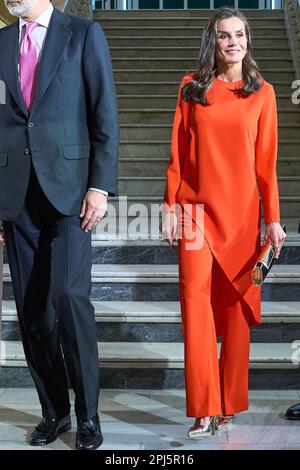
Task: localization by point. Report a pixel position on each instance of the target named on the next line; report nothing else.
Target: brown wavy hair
(202, 80)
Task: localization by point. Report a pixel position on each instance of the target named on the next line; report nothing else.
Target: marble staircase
(135, 278)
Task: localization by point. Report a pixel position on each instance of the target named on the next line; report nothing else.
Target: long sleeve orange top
(218, 153)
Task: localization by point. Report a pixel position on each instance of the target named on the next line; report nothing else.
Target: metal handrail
(292, 21)
(83, 8)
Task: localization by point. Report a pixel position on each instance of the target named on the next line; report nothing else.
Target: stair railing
(292, 21)
(81, 8)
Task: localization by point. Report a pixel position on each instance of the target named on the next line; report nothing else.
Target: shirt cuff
(99, 191)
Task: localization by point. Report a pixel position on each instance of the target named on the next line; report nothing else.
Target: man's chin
(19, 12)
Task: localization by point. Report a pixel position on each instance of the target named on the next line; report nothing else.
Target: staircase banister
(292, 21)
(81, 8)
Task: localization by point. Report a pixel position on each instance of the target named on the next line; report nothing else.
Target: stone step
(169, 102)
(155, 185)
(153, 167)
(156, 251)
(155, 52)
(124, 246)
(166, 116)
(161, 322)
(157, 166)
(166, 332)
(153, 13)
(162, 312)
(163, 131)
(190, 63)
(161, 148)
(160, 282)
(147, 240)
(176, 74)
(120, 251)
(159, 355)
(145, 166)
(171, 88)
(189, 41)
(179, 22)
(114, 242)
(144, 243)
(163, 372)
(182, 31)
(289, 205)
(165, 273)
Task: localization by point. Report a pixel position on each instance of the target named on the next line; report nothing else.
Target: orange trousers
(213, 386)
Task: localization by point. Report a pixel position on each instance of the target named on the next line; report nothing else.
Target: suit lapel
(58, 36)
(9, 59)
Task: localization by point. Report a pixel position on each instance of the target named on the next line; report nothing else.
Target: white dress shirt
(39, 34)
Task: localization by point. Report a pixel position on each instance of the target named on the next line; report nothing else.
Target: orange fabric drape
(212, 388)
(218, 153)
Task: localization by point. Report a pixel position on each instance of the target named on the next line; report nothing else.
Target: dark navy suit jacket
(71, 134)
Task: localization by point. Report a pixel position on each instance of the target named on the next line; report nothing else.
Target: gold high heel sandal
(202, 430)
(224, 422)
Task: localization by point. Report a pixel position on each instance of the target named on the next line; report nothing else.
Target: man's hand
(276, 235)
(94, 206)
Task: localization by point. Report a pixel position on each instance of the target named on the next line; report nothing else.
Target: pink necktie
(28, 64)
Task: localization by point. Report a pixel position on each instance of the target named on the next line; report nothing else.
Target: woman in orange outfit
(224, 137)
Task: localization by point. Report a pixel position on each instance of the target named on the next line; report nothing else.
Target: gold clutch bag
(264, 263)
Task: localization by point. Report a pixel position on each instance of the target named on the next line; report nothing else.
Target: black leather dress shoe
(89, 436)
(48, 430)
(293, 412)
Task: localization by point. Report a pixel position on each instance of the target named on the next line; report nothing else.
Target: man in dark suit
(58, 162)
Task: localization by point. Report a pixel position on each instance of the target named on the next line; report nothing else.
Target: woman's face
(231, 41)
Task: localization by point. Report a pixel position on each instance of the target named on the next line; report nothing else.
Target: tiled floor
(155, 420)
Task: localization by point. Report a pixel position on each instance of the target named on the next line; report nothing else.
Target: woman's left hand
(276, 235)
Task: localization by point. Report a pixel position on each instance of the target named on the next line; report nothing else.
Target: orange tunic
(218, 151)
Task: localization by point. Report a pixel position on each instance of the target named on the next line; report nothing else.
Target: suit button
(27, 151)
(30, 124)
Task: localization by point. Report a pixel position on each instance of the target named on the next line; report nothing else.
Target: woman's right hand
(169, 226)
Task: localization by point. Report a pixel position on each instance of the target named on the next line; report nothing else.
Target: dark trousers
(50, 259)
